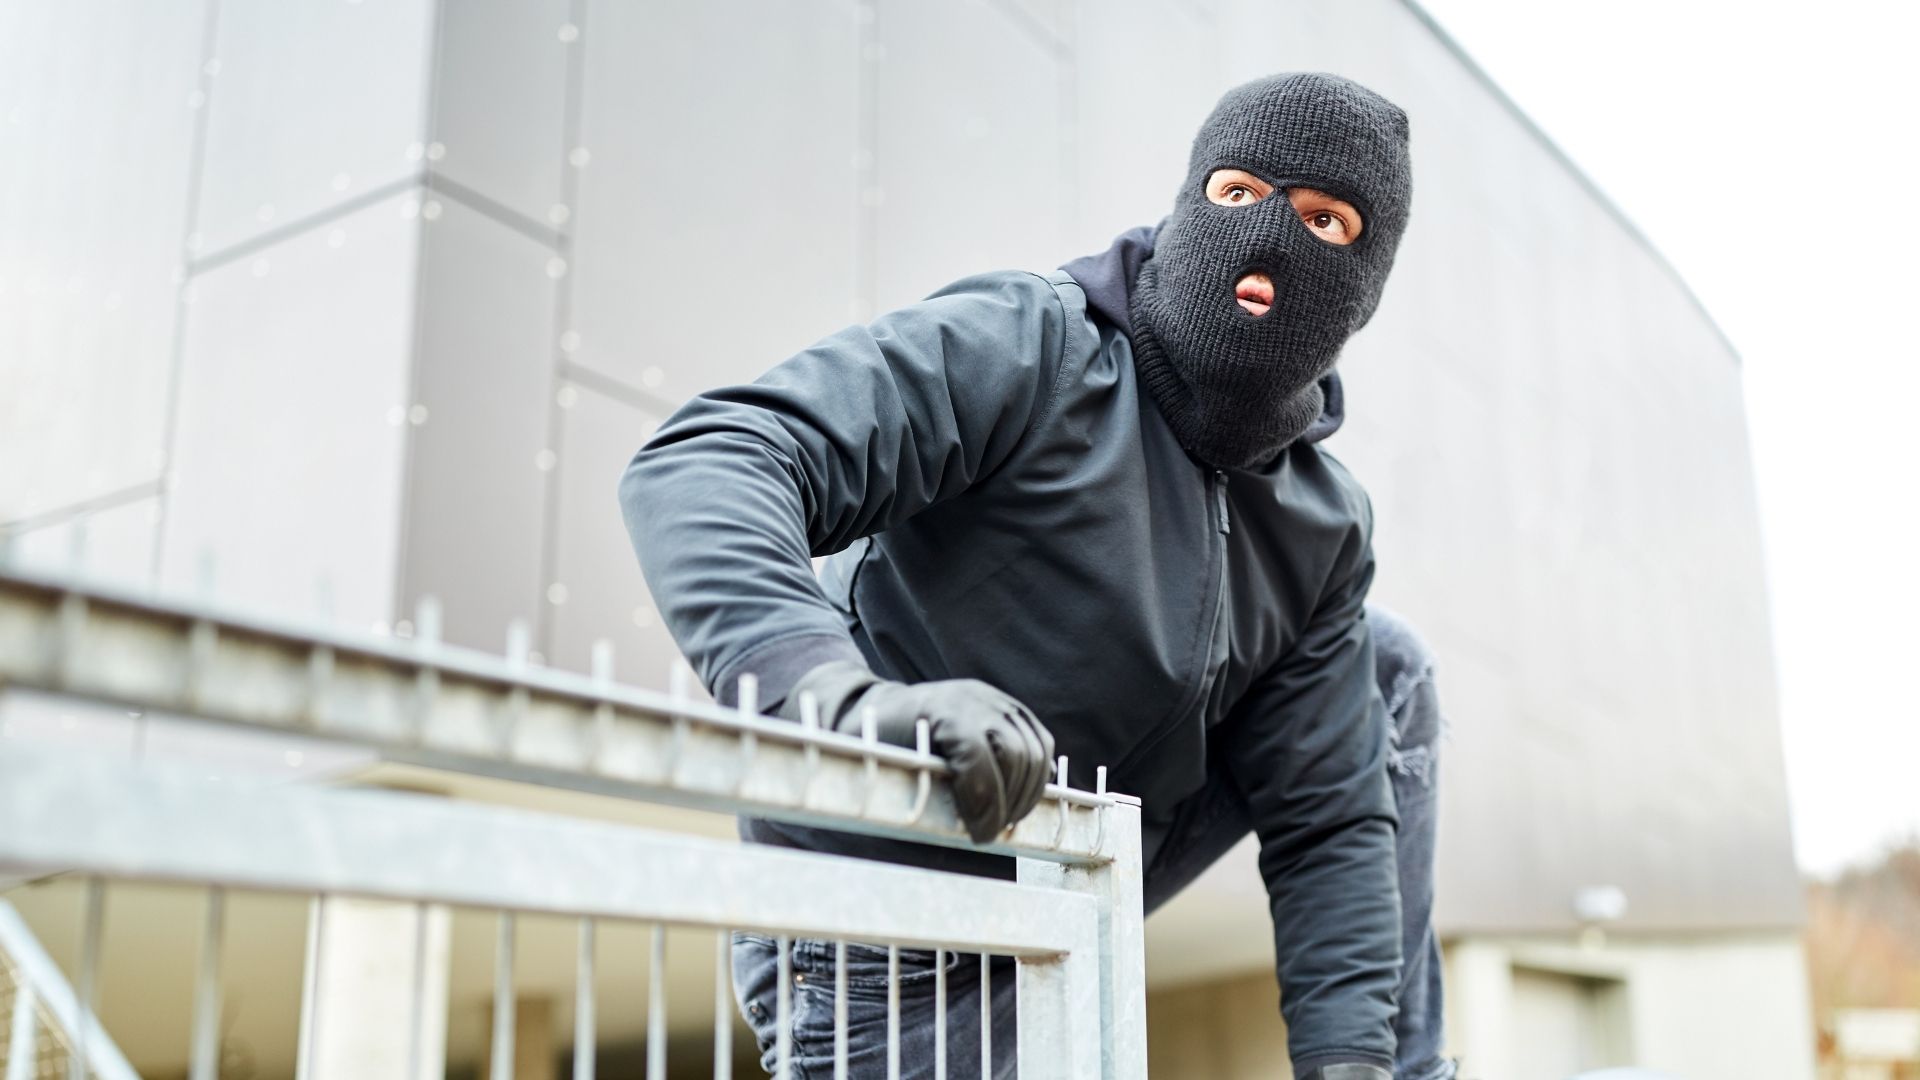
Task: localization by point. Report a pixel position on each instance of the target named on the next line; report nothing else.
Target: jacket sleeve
(1308, 747)
(730, 499)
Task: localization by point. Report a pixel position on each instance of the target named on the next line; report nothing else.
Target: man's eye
(1326, 220)
(1236, 192)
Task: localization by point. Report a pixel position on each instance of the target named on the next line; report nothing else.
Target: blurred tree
(1863, 938)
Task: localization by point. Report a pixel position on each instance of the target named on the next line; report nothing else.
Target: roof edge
(1452, 45)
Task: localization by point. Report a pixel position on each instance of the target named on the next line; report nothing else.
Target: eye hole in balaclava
(1237, 388)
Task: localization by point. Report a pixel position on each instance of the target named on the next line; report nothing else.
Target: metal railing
(1071, 920)
(41, 1023)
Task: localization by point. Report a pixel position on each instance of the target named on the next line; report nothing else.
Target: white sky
(1769, 150)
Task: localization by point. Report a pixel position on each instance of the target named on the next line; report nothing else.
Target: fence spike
(810, 726)
(678, 678)
(923, 742)
(1101, 812)
(869, 738)
(1060, 830)
(600, 735)
(205, 576)
(426, 621)
(748, 689)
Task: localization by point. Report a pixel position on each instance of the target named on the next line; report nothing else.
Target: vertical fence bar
(204, 1059)
(657, 1005)
(583, 1019)
(310, 989)
(783, 1012)
(840, 1010)
(986, 1017)
(503, 1018)
(722, 1005)
(893, 1012)
(417, 1008)
(939, 1014)
(79, 1063)
(23, 1050)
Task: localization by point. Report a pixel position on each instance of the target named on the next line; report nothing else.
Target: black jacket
(1001, 501)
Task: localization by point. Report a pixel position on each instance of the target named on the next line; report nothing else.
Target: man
(1087, 512)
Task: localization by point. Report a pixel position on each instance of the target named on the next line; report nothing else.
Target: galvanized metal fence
(1071, 921)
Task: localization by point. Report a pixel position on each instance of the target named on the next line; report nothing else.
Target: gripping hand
(1000, 753)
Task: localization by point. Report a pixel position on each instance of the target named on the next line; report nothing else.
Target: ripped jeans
(1205, 827)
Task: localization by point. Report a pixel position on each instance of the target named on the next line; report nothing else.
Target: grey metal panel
(95, 136)
(604, 595)
(293, 412)
(1131, 133)
(1552, 435)
(316, 101)
(500, 101)
(477, 477)
(714, 242)
(968, 180)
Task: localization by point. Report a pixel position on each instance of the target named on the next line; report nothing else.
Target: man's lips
(1255, 293)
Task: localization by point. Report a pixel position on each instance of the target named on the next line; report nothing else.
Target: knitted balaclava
(1236, 388)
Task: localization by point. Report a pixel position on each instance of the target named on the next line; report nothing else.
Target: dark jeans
(1205, 826)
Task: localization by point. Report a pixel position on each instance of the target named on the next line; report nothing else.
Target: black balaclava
(1236, 388)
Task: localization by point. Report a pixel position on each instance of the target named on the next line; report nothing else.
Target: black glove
(1001, 756)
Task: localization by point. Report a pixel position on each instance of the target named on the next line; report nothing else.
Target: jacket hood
(1107, 278)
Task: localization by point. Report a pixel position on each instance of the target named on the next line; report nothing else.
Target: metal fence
(41, 1024)
(1071, 920)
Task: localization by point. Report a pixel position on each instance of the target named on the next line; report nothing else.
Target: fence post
(1121, 947)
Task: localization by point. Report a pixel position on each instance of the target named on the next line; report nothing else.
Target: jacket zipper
(1197, 694)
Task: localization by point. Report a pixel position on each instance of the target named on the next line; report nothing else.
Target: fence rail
(424, 702)
(1072, 920)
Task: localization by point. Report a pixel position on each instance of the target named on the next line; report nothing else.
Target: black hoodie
(998, 498)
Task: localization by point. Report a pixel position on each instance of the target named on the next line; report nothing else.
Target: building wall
(1702, 1007)
(327, 306)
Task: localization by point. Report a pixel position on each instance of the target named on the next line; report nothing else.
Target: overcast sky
(1769, 150)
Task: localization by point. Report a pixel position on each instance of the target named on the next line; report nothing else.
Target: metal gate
(1072, 920)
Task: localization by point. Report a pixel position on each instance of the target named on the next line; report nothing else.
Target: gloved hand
(1000, 753)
